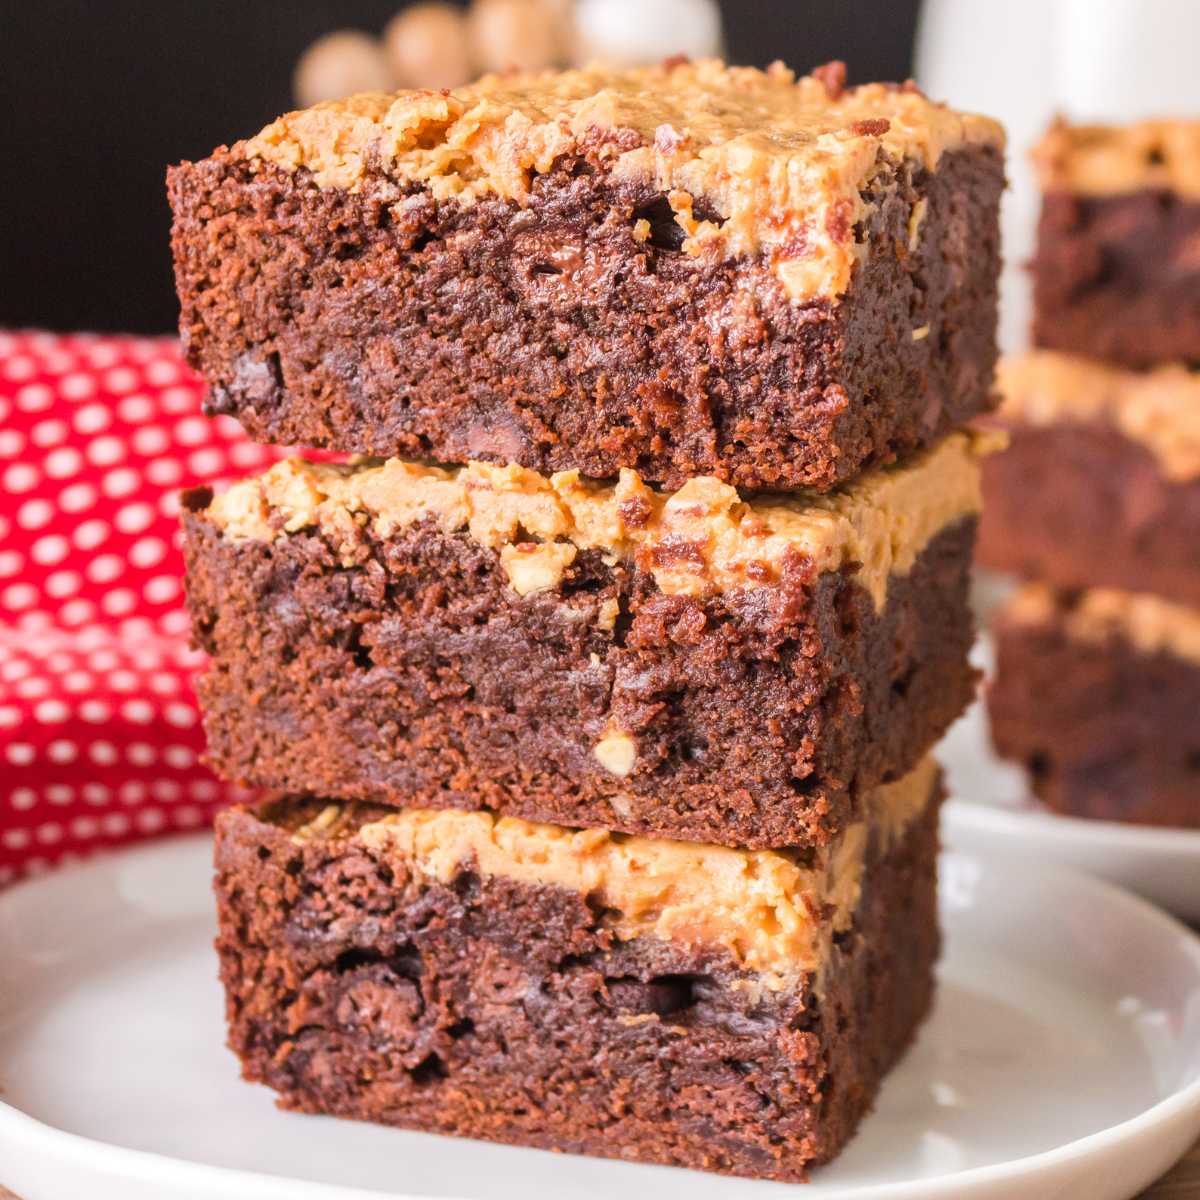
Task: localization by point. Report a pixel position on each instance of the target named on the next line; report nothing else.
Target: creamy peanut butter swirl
(1107, 160)
(1158, 409)
(783, 161)
(774, 911)
(701, 540)
(1149, 623)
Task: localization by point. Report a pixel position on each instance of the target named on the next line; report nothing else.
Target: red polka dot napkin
(99, 731)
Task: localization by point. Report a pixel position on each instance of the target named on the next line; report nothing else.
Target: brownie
(1116, 275)
(684, 270)
(1097, 694)
(691, 664)
(643, 999)
(1100, 485)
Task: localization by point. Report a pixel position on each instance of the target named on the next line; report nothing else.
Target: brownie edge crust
(489, 1007)
(570, 327)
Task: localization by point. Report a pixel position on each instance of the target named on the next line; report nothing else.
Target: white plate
(992, 808)
(1064, 1054)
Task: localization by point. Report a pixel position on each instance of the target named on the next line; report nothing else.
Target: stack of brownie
(596, 696)
(1097, 503)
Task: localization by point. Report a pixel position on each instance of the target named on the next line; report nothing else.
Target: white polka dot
(186, 657)
(202, 789)
(146, 660)
(179, 757)
(9, 716)
(149, 820)
(18, 596)
(164, 472)
(133, 518)
(187, 818)
(92, 639)
(10, 563)
(164, 684)
(60, 793)
(104, 451)
(77, 681)
(34, 397)
(16, 669)
(15, 839)
(179, 400)
(175, 623)
(150, 440)
(76, 612)
(58, 363)
(121, 380)
(104, 754)
(166, 791)
(137, 629)
(64, 461)
(115, 824)
(60, 662)
(182, 716)
(63, 583)
(20, 367)
(23, 799)
(49, 834)
(161, 588)
(20, 477)
(92, 419)
(147, 552)
(121, 482)
(141, 754)
(140, 712)
(34, 622)
(90, 534)
(168, 505)
(76, 387)
(192, 431)
(105, 568)
(247, 454)
(118, 603)
(136, 409)
(161, 372)
(52, 712)
(102, 354)
(77, 497)
(96, 793)
(31, 689)
(12, 442)
(50, 550)
(123, 681)
(85, 827)
(95, 712)
(207, 462)
(35, 514)
(103, 660)
(133, 791)
(48, 433)
(20, 754)
(62, 751)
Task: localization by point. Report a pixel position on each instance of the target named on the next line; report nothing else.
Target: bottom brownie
(605, 994)
(1097, 694)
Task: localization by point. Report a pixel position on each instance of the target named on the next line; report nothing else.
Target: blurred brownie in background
(1117, 269)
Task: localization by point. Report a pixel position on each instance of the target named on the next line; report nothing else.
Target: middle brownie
(692, 664)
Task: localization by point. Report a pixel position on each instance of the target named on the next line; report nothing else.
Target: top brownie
(1117, 269)
(684, 270)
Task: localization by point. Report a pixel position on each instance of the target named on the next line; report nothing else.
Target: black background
(96, 99)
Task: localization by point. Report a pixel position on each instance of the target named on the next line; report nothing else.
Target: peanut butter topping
(782, 160)
(1104, 160)
(700, 541)
(1151, 624)
(1158, 409)
(775, 911)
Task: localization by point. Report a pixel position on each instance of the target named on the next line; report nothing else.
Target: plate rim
(17, 1127)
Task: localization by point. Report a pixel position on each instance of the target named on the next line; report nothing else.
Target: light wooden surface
(1181, 1183)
